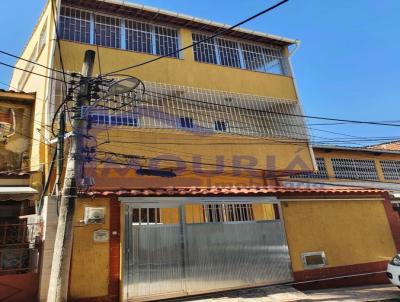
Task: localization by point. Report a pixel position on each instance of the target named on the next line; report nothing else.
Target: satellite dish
(123, 86)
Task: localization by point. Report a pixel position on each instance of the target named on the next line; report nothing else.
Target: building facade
(185, 194)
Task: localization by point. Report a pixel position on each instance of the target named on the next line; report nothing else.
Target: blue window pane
(98, 119)
(186, 122)
(220, 126)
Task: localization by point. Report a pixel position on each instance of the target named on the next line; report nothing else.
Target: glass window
(108, 31)
(321, 173)
(347, 168)
(220, 126)
(166, 41)
(391, 169)
(74, 25)
(138, 36)
(257, 57)
(229, 53)
(186, 122)
(204, 51)
(146, 215)
(254, 58)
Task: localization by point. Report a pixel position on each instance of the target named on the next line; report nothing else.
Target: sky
(346, 67)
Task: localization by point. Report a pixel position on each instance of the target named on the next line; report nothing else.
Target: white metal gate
(189, 248)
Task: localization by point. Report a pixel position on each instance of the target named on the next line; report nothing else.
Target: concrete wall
(349, 231)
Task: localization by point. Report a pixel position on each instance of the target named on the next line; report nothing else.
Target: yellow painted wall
(150, 143)
(90, 261)
(263, 211)
(184, 71)
(169, 215)
(350, 231)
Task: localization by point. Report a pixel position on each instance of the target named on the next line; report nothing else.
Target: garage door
(191, 248)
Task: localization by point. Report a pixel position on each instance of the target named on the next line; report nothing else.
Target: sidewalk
(287, 293)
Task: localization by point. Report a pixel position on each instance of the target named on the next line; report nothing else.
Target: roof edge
(284, 40)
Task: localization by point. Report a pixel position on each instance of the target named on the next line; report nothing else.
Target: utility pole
(59, 277)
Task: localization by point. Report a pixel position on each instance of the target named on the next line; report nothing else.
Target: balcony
(19, 248)
(202, 112)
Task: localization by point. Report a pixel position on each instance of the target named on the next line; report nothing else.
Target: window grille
(205, 51)
(186, 122)
(257, 57)
(138, 36)
(229, 53)
(222, 212)
(167, 41)
(321, 173)
(101, 117)
(205, 111)
(108, 31)
(254, 58)
(74, 25)
(391, 169)
(220, 126)
(347, 168)
(146, 216)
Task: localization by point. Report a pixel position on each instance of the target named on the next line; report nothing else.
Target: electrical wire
(173, 121)
(29, 61)
(126, 156)
(221, 32)
(29, 71)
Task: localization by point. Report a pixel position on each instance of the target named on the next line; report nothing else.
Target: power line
(203, 40)
(29, 61)
(127, 156)
(31, 72)
(173, 121)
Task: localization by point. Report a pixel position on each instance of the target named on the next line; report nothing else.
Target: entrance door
(195, 248)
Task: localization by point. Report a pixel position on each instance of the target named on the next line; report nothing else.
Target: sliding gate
(175, 249)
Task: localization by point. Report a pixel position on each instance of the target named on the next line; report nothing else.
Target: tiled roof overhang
(229, 191)
(125, 8)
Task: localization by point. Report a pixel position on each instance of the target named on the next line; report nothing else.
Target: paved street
(287, 293)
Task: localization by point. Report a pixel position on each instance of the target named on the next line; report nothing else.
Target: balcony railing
(203, 111)
(19, 247)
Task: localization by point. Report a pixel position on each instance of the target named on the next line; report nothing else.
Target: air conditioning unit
(94, 215)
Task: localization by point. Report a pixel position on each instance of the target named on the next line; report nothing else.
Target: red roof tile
(225, 191)
(391, 146)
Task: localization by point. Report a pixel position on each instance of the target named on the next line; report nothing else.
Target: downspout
(297, 46)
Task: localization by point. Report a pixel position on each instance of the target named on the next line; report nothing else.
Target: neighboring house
(375, 166)
(223, 121)
(20, 232)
